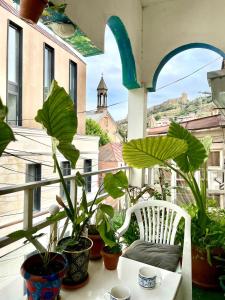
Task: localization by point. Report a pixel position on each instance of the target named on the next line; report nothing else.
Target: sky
(179, 66)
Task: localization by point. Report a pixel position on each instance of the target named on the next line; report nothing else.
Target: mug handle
(159, 281)
(107, 294)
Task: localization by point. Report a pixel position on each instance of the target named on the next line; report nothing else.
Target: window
(14, 82)
(33, 173)
(48, 68)
(214, 159)
(73, 83)
(66, 170)
(88, 168)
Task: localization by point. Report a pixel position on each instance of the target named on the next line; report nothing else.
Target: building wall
(32, 69)
(108, 125)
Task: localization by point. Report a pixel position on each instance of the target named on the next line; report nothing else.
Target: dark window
(14, 69)
(214, 159)
(48, 68)
(88, 168)
(66, 170)
(73, 83)
(33, 173)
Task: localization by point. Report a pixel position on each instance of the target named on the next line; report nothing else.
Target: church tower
(102, 95)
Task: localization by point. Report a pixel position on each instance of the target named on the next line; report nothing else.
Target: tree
(93, 128)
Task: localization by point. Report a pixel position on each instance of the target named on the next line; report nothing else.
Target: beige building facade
(30, 56)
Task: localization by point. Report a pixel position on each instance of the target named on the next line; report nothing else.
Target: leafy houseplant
(44, 271)
(59, 119)
(189, 154)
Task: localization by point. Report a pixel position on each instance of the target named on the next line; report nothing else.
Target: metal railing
(28, 213)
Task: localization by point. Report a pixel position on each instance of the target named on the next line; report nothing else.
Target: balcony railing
(28, 214)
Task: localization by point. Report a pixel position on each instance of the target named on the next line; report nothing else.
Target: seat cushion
(158, 255)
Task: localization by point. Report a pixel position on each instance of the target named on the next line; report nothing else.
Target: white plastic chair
(158, 221)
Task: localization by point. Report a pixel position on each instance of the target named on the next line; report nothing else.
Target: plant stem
(69, 202)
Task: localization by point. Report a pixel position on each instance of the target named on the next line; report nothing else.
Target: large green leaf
(114, 184)
(6, 133)
(59, 119)
(69, 152)
(195, 155)
(147, 152)
(207, 142)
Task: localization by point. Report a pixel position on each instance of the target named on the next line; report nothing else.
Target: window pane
(88, 168)
(73, 83)
(48, 69)
(13, 55)
(12, 109)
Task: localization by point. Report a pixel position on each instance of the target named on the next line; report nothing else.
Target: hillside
(178, 109)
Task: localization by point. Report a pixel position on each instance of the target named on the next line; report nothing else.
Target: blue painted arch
(127, 59)
(176, 51)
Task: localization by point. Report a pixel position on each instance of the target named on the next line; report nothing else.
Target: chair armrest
(125, 225)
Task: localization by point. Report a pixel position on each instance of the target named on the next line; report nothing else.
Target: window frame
(74, 97)
(52, 50)
(9, 83)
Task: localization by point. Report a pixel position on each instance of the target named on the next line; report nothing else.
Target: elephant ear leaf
(195, 155)
(60, 121)
(148, 152)
(6, 133)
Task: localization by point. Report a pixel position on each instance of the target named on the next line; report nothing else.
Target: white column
(137, 117)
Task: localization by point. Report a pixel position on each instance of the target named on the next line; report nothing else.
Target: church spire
(102, 94)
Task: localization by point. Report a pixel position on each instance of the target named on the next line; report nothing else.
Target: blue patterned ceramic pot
(78, 262)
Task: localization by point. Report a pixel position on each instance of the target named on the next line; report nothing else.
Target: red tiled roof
(111, 152)
(196, 124)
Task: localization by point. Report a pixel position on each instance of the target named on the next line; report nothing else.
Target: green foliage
(104, 225)
(60, 121)
(206, 231)
(147, 152)
(6, 135)
(132, 234)
(93, 128)
(115, 184)
(195, 155)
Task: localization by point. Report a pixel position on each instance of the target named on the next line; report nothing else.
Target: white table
(102, 280)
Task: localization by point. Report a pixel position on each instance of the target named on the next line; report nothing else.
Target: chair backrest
(158, 220)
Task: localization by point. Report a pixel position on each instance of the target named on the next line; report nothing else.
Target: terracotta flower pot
(110, 259)
(204, 275)
(98, 245)
(31, 10)
(44, 285)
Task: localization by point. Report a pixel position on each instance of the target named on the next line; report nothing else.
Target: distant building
(213, 126)
(110, 156)
(102, 115)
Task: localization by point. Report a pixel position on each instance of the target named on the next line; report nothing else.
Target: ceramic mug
(118, 292)
(148, 278)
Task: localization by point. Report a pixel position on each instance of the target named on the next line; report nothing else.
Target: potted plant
(31, 10)
(183, 153)
(44, 271)
(60, 121)
(112, 250)
(98, 243)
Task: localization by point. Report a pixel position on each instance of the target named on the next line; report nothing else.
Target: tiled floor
(199, 294)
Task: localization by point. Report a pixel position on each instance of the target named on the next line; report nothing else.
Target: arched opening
(127, 59)
(175, 52)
